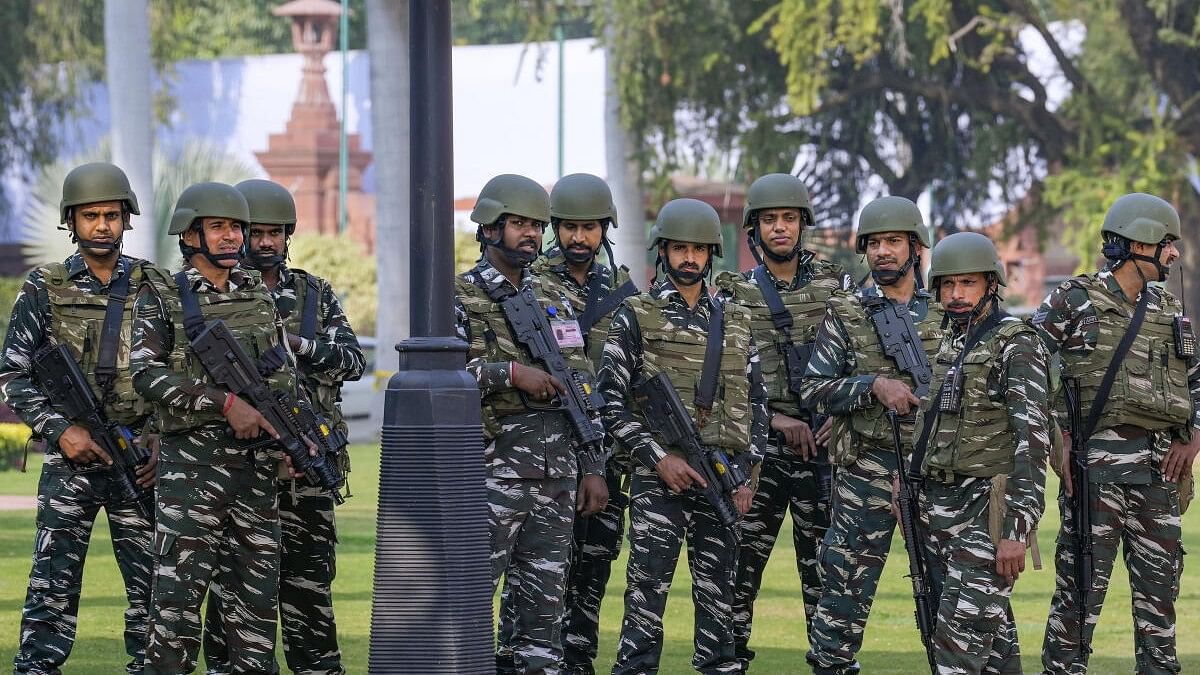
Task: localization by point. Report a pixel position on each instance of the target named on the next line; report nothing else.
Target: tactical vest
(77, 320)
(487, 319)
(249, 312)
(871, 426)
(679, 353)
(807, 307)
(983, 441)
(554, 285)
(324, 392)
(1151, 387)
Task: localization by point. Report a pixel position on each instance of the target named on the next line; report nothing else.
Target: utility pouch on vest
(1185, 339)
(997, 509)
(706, 391)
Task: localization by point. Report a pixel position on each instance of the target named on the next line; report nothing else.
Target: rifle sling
(308, 317)
(706, 391)
(922, 444)
(1139, 315)
(110, 333)
(599, 305)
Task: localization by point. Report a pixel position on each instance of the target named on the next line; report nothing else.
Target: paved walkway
(17, 503)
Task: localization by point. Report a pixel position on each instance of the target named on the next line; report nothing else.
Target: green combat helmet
(1142, 218)
(893, 214)
(270, 203)
(209, 200)
(92, 183)
(514, 195)
(582, 196)
(775, 191)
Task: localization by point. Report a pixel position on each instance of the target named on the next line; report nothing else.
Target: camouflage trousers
(307, 566)
(597, 544)
(1145, 519)
(852, 556)
(975, 630)
(785, 482)
(67, 508)
(659, 521)
(530, 522)
(215, 523)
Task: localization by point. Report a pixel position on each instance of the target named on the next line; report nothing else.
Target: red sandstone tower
(304, 158)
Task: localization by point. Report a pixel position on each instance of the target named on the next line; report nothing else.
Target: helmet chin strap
(215, 258)
(511, 255)
(264, 262)
(1119, 250)
(968, 316)
(891, 277)
(681, 277)
(755, 243)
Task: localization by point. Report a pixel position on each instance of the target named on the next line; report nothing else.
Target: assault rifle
(914, 543)
(665, 412)
(1081, 512)
(900, 341)
(581, 403)
(795, 360)
(228, 364)
(63, 382)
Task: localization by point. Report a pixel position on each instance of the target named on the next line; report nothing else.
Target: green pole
(558, 33)
(343, 150)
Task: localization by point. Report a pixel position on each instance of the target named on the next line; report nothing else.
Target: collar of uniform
(492, 276)
(804, 273)
(285, 276)
(665, 290)
(921, 295)
(558, 264)
(237, 279)
(76, 265)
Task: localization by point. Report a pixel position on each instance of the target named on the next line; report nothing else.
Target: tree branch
(1026, 11)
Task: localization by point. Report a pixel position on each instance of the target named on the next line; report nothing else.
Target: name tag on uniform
(567, 333)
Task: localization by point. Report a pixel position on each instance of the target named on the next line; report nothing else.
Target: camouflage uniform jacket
(624, 358)
(333, 356)
(537, 444)
(552, 269)
(166, 373)
(804, 296)
(839, 378)
(1003, 426)
(30, 327)
(1071, 324)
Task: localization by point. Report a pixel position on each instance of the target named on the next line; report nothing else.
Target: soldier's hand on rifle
(825, 433)
(796, 434)
(1178, 462)
(313, 451)
(677, 474)
(535, 382)
(1010, 559)
(592, 496)
(1065, 467)
(246, 421)
(742, 499)
(77, 445)
(895, 395)
(145, 473)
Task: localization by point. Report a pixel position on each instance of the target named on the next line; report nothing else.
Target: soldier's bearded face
(100, 222)
(523, 234)
(267, 239)
(780, 229)
(687, 256)
(887, 250)
(962, 292)
(580, 239)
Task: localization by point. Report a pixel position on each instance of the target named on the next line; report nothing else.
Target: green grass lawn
(891, 644)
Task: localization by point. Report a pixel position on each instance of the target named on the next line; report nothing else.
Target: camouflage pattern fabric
(856, 545)
(1131, 502)
(659, 520)
(785, 481)
(216, 501)
(306, 513)
(68, 503)
(215, 523)
(1005, 371)
(530, 523)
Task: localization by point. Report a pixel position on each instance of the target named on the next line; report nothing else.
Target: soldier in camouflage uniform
(666, 330)
(328, 354)
(1144, 442)
(217, 508)
(581, 211)
(533, 470)
(65, 303)
(986, 437)
(776, 214)
(850, 378)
